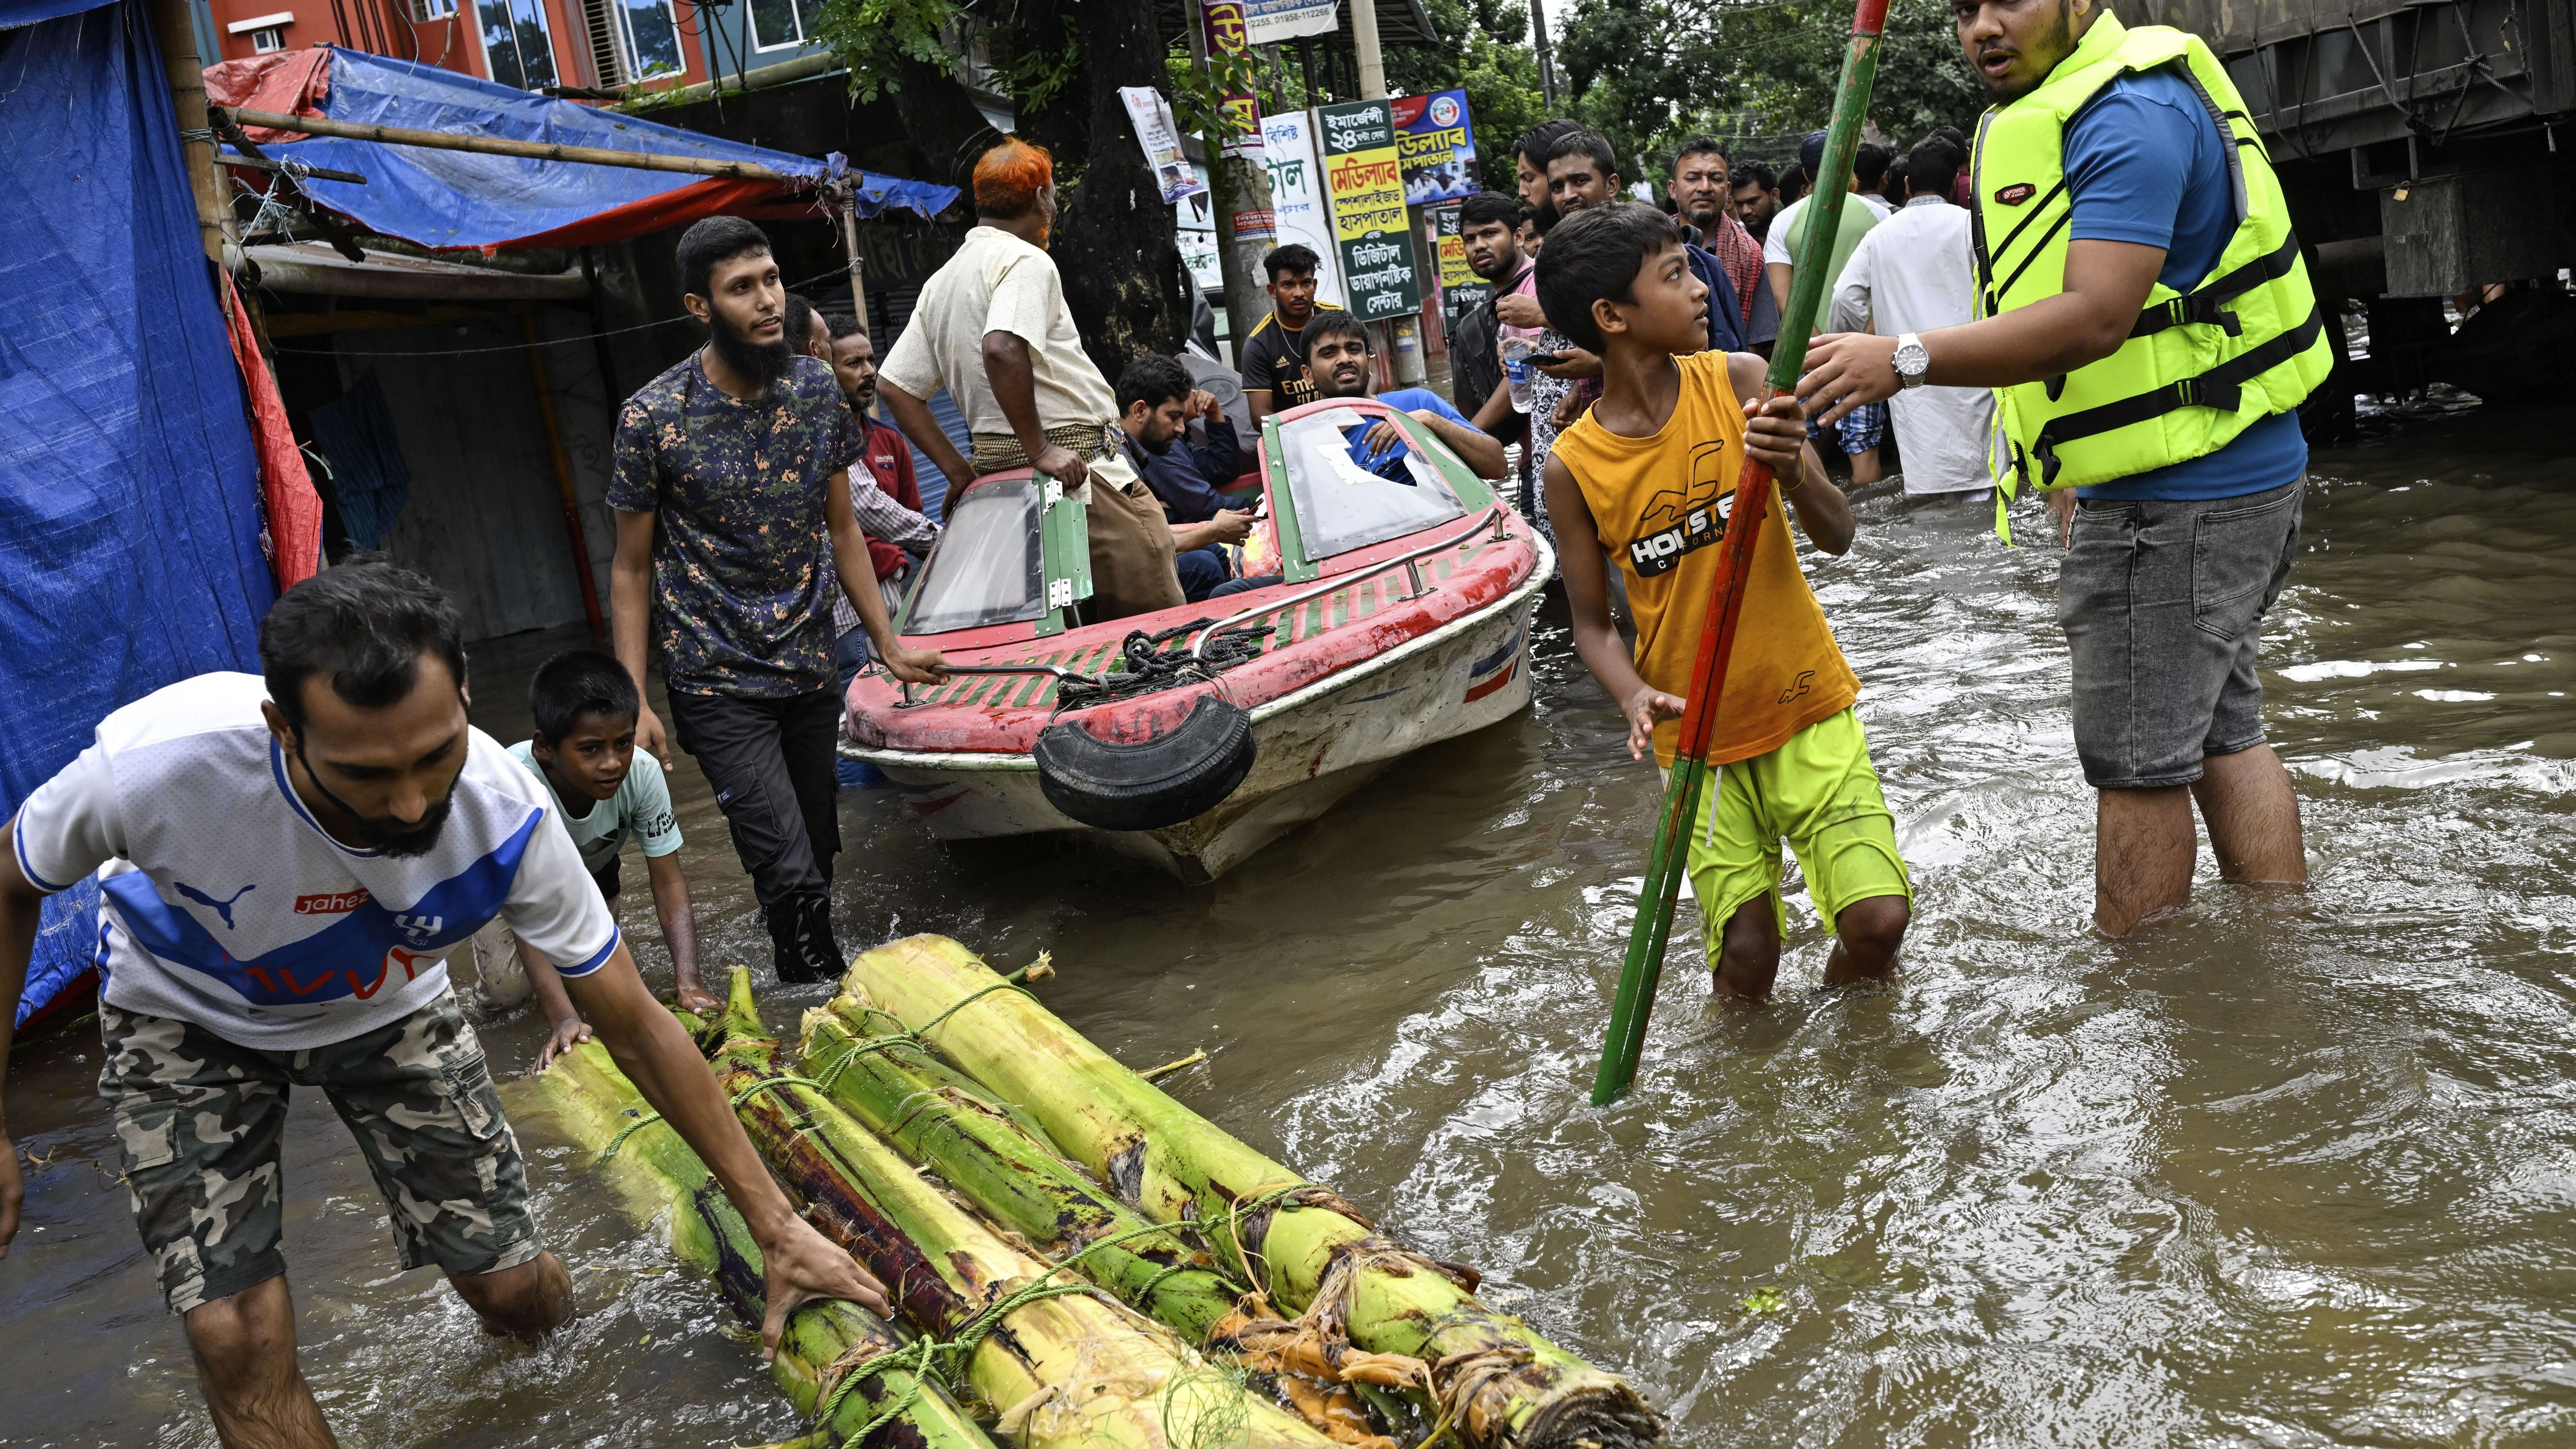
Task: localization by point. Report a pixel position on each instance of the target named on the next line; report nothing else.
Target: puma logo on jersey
(2016, 194)
(223, 908)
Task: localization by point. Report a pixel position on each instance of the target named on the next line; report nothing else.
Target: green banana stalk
(903, 1094)
(1500, 1384)
(596, 1107)
(1067, 1368)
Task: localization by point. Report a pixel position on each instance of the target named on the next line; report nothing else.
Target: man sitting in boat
(1337, 357)
(992, 327)
(1156, 402)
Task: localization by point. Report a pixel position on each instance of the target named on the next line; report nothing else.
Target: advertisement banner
(1221, 24)
(1194, 220)
(1365, 182)
(1461, 290)
(1269, 20)
(1436, 139)
(1297, 198)
(1160, 136)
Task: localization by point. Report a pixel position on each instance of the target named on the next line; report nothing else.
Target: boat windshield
(1341, 505)
(987, 568)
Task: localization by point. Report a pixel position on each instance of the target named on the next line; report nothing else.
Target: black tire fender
(1173, 777)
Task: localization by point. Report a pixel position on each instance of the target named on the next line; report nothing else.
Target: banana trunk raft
(1087, 1264)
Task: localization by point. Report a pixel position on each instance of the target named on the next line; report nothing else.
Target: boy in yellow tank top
(1647, 478)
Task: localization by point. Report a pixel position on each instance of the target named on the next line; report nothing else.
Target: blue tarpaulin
(444, 198)
(129, 520)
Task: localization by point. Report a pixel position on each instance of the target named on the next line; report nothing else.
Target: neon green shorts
(1819, 793)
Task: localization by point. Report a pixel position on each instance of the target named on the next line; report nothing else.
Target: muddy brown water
(2285, 1171)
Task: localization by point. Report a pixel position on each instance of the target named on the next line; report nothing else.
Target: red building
(580, 45)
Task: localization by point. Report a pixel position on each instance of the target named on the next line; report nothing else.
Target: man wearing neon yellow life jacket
(2148, 328)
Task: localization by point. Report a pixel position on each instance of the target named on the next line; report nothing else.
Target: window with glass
(652, 38)
(987, 568)
(428, 10)
(516, 42)
(776, 24)
(1341, 505)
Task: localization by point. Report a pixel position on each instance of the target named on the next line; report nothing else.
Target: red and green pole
(1668, 862)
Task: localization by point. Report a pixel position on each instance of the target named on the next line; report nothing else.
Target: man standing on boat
(735, 529)
(2150, 330)
(284, 862)
(992, 327)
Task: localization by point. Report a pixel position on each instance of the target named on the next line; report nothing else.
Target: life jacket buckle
(2205, 310)
(2202, 392)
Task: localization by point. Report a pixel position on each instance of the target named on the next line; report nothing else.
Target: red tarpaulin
(294, 509)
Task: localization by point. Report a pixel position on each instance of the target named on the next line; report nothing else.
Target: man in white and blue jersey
(284, 864)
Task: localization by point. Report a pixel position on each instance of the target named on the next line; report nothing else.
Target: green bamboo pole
(1500, 1383)
(1065, 1367)
(596, 1107)
(1668, 861)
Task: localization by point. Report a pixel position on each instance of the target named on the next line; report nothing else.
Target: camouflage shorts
(200, 1121)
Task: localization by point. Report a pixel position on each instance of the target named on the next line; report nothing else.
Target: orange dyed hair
(1009, 177)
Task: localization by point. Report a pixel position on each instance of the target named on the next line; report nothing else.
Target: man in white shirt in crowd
(992, 327)
(1913, 273)
(1859, 433)
(284, 864)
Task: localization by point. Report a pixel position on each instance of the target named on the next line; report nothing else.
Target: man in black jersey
(1274, 356)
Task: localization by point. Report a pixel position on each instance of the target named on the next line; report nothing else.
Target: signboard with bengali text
(1297, 205)
(1364, 178)
(1436, 140)
(1461, 290)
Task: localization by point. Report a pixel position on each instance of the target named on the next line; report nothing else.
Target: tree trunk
(1115, 243)
(943, 122)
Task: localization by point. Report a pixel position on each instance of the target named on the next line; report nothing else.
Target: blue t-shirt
(2145, 164)
(1390, 464)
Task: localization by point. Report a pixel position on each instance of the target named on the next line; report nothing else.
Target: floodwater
(2288, 1170)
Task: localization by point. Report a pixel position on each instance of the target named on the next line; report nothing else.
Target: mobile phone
(1545, 359)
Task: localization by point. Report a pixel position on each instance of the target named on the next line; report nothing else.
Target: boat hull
(1312, 748)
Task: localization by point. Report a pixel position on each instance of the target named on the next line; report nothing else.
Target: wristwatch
(1912, 360)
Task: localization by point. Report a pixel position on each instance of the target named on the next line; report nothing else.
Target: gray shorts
(2163, 606)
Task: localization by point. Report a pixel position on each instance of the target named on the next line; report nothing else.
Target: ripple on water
(2286, 1171)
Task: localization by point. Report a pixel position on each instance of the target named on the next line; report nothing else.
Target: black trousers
(775, 774)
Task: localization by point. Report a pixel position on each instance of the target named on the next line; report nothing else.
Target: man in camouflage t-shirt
(735, 530)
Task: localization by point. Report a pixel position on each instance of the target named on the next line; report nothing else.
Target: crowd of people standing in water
(286, 858)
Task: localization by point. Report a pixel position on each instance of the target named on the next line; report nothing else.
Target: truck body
(2425, 150)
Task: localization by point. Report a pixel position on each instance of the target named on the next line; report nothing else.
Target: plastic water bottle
(1515, 353)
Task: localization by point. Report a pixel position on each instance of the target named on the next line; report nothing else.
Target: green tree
(1648, 74)
(1484, 51)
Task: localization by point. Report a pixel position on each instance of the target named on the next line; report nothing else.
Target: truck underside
(2420, 147)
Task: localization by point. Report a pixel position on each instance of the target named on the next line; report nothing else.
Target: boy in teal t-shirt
(585, 706)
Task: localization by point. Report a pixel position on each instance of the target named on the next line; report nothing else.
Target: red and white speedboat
(1403, 619)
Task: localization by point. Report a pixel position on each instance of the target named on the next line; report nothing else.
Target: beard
(390, 837)
(763, 363)
(2060, 42)
(383, 833)
(1545, 216)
